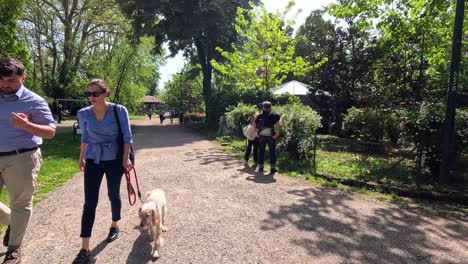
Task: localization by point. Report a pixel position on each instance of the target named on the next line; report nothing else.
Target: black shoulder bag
(120, 141)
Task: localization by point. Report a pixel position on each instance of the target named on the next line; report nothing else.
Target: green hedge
(236, 118)
(372, 124)
(298, 126)
(423, 128)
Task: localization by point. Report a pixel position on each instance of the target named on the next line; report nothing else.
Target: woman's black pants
(93, 175)
(250, 144)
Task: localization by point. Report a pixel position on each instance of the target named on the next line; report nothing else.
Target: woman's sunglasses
(94, 94)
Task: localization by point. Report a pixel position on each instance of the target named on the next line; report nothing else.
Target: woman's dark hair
(10, 66)
(99, 83)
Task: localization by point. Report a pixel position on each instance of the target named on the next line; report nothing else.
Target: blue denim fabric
(254, 144)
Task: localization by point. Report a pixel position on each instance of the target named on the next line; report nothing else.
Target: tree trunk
(68, 42)
(204, 56)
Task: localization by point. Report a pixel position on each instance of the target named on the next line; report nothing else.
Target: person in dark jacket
(268, 126)
(161, 116)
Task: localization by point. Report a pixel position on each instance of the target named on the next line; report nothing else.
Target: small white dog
(152, 215)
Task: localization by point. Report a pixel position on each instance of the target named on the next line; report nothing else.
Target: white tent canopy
(293, 88)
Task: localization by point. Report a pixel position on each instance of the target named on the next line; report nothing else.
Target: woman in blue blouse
(98, 156)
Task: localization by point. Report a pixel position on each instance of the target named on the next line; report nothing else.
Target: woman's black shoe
(113, 234)
(83, 257)
(6, 237)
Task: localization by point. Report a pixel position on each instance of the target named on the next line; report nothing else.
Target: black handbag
(120, 141)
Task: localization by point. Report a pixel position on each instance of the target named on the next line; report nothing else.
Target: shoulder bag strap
(132, 155)
(117, 119)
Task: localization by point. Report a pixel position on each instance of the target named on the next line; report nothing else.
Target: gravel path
(222, 212)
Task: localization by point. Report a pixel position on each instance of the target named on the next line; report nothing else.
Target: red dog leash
(130, 189)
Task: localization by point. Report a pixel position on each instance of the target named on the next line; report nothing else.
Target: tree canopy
(9, 45)
(265, 56)
(193, 26)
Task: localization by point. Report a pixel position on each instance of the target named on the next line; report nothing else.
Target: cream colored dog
(152, 215)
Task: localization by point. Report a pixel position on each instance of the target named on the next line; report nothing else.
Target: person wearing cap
(268, 126)
(25, 119)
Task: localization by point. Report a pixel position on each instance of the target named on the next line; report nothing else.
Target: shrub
(461, 136)
(222, 127)
(366, 124)
(284, 99)
(256, 96)
(194, 117)
(238, 117)
(423, 128)
(220, 101)
(393, 127)
(298, 126)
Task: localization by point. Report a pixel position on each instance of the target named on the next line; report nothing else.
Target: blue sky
(173, 65)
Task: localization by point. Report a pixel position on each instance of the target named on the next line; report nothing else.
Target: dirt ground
(220, 211)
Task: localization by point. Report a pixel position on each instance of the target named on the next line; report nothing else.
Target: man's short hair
(266, 105)
(10, 66)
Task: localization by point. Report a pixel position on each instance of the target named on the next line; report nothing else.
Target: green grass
(60, 164)
(347, 165)
(138, 117)
(338, 164)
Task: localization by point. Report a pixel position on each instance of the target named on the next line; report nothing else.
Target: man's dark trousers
(263, 141)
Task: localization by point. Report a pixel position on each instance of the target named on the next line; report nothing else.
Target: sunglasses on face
(94, 94)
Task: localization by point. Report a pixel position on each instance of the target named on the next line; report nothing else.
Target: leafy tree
(410, 70)
(265, 56)
(60, 33)
(129, 69)
(9, 45)
(194, 26)
(414, 44)
(185, 91)
(345, 79)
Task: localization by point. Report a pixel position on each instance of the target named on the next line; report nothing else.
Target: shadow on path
(141, 249)
(97, 249)
(384, 235)
(257, 177)
(212, 156)
(167, 136)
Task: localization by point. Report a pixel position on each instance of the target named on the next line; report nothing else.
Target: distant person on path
(99, 156)
(181, 117)
(252, 143)
(172, 113)
(60, 114)
(150, 114)
(161, 116)
(25, 118)
(268, 127)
